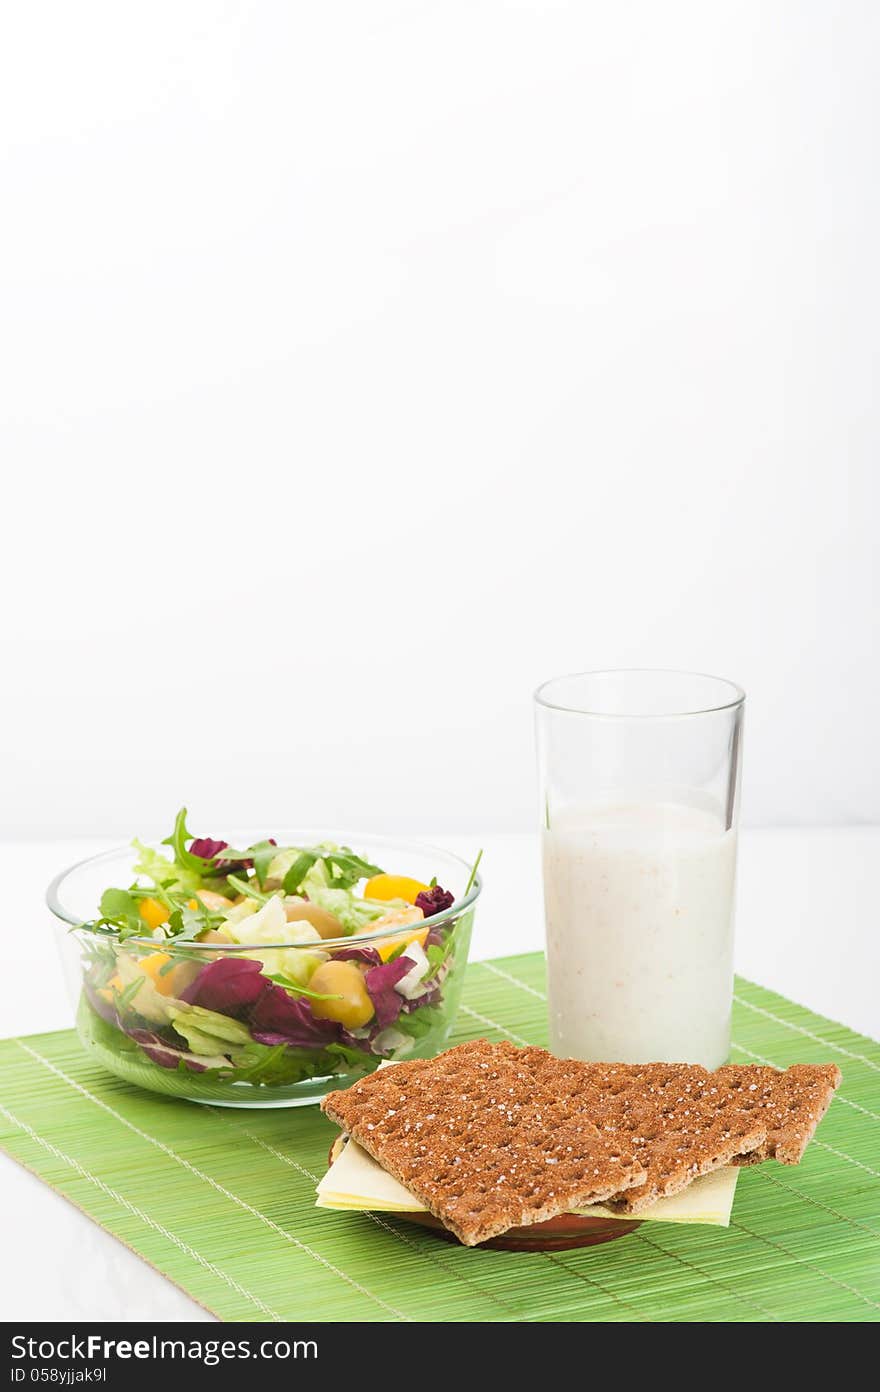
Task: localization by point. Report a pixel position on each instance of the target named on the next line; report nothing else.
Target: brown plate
(557, 1234)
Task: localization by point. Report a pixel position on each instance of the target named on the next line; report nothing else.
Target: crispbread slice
(790, 1104)
(677, 1121)
(484, 1138)
(682, 1121)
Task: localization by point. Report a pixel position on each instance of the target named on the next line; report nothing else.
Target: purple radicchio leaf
(434, 901)
(361, 1042)
(277, 1018)
(358, 954)
(209, 849)
(437, 936)
(102, 1007)
(380, 983)
(230, 985)
(166, 1056)
(206, 847)
(429, 997)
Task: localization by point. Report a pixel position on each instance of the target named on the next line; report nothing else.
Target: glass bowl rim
(542, 694)
(459, 906)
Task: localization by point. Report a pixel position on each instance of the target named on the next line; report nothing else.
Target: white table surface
(807, 926)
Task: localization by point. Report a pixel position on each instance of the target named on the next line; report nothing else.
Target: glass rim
(459, 906)
(542, 696)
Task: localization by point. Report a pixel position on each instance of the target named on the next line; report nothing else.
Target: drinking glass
(639, 780)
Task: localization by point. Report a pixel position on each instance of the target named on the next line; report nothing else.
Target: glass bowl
(137, 1000)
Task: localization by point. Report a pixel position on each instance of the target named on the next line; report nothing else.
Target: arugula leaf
(185, 858)
(120, 912)
(185, 923)
(398, 952)
(118, 903)
(291, 987)
(342, 867)
(473, 875)
(245, 887)
(262, 854)
(299, 869)
(122, 999)
(420, 1022)
(355, 1058)
(345, 868)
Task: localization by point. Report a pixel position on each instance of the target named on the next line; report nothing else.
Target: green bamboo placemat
(221, 1201)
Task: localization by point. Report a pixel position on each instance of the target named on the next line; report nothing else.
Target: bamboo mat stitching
(841, 1155)
(512, 1310)
(493, 1024)
(597, 1285)
(819, 1203)
(514, 981)
(804, 1261)
(227, 1193)
(433, 1257)
(138, 1213)
(808, 1034)
(705, 1275)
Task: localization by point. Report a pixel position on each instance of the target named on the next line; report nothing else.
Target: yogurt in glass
(639, 902)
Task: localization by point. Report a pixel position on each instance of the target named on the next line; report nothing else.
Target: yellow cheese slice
(356, 1181)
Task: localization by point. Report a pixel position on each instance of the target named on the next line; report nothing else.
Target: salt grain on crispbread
(482, 1140)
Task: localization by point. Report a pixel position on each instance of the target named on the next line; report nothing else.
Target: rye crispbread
(790, 1104)
(683, 1121)
(482, 1139)
(455, 1129)
(666, 1115)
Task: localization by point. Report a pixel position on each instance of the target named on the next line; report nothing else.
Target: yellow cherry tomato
(175, 979)
(218, 903)
(214, 935)
(394, 887)
(390, 945)
(398, 918)
(152, 966)
(325, 924)
(342, 979)
(153, 913)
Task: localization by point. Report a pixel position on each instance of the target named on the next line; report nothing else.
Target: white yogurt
(639, 905)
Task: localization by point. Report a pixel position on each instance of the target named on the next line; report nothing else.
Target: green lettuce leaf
(354, 913)
(155, 866)
(206, 1031)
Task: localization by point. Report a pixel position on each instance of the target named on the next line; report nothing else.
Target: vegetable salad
(282, 995)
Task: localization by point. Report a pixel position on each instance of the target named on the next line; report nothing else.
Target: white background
(362, 364)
